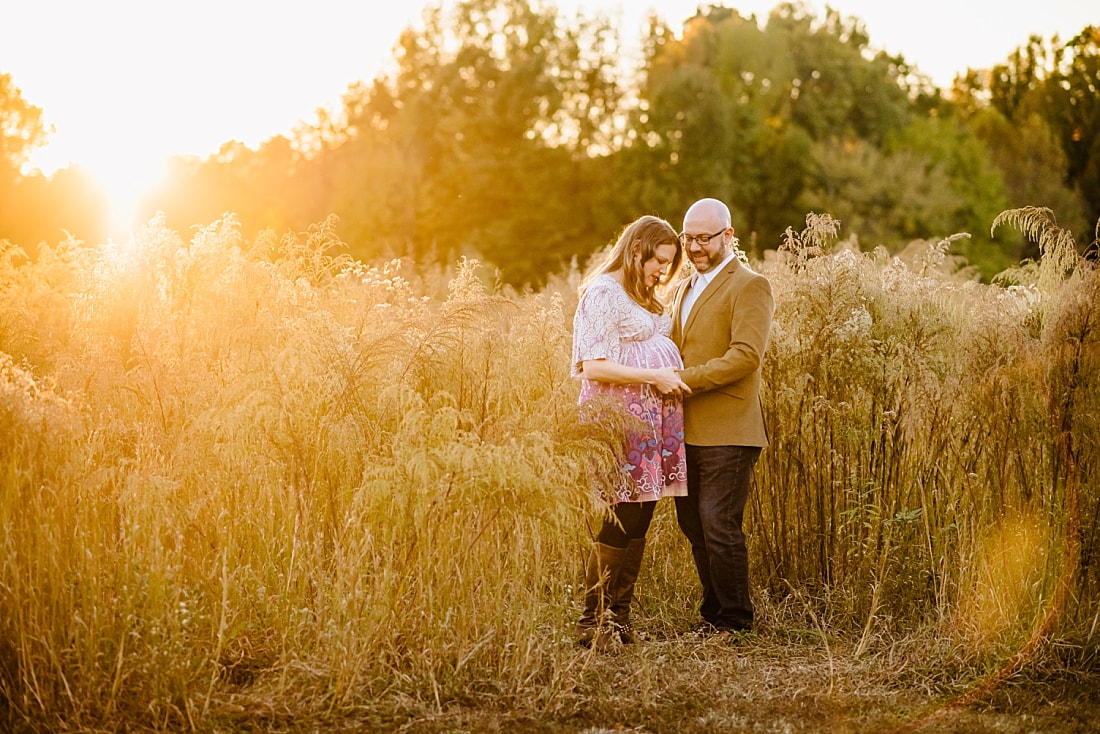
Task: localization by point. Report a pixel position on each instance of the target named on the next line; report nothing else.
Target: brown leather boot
(600, 576)
(622, 593)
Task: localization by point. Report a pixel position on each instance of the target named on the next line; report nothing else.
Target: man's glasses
(702, 239)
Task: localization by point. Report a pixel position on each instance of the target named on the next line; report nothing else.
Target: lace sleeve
(595, 327)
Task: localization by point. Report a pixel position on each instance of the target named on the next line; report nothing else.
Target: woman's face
(656, 267)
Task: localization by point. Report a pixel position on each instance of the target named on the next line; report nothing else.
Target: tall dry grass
(229, 463)
(259, 481)
(934, 454)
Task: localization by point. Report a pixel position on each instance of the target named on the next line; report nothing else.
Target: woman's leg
(631, 522)
(604, 579)
(635, 519)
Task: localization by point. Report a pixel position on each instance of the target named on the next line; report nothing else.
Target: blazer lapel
(708, 294)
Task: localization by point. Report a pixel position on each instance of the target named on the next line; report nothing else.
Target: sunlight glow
(125, 180)
(1003, 593)
(127, 83)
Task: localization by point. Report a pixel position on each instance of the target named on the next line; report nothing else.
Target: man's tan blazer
(723, 345)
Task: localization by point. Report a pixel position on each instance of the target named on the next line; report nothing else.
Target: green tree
(266, 188)
(1034, 169)
(841, 87)
(52, 209)
(1017, 86)
(481, 142)
(691, 154)
(974, 186)
(741, 112)
(883, 198)
(1045, 86)
(484, 133)
(21, 131)
(1074, 90)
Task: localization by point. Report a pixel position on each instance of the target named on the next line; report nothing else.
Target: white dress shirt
(699, 283)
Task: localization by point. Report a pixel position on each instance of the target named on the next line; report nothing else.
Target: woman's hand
(667, 381)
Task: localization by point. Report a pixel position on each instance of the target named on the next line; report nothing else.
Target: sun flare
(125, 180)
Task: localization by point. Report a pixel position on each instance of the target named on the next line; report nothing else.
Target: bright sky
(126, 83)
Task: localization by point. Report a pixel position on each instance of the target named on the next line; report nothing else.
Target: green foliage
(496, 109)
(505, 123)
(767, 118)
(884, 198)
(975, 189)
(842, 88)
(38, 209)
(1033, 167)
(491, 127)
(1058, 83)
(1074, 111)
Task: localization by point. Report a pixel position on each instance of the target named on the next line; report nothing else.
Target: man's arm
(750, 324)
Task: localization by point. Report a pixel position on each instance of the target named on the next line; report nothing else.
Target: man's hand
(667, 381)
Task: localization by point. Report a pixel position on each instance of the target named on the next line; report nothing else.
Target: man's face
(705, 243)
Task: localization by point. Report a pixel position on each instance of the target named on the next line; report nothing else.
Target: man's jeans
(710, 516)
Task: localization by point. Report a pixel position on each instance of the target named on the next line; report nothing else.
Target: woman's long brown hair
(637, 245)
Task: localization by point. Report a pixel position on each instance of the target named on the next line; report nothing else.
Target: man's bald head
(706, 215)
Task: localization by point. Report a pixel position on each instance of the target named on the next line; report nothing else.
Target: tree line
(526, 138)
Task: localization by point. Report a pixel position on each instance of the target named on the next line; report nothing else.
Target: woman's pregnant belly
(653, 353)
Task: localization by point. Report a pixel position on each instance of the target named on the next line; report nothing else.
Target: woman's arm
(666, 379)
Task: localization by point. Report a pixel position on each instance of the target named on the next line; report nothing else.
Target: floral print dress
(610, 325)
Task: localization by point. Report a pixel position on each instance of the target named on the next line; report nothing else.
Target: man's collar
(708, 276)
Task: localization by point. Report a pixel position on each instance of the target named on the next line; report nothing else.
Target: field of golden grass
(255, 485)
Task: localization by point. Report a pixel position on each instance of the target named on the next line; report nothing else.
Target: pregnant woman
(622, 350)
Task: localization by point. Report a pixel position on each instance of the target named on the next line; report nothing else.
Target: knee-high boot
(601, 573)
(623, 590)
